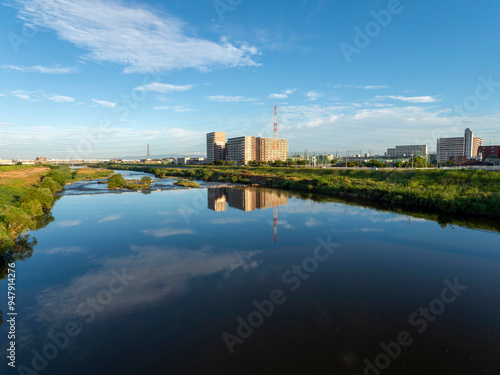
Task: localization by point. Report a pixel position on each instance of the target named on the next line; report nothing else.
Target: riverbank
(27, 195)
(471, 192)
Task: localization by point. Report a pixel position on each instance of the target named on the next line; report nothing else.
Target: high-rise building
(216, 144)
(241, 149)
(450, 148)
(458, 149)
(471, 144)
(271, 149)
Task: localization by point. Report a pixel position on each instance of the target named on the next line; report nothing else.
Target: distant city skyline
(100, 79)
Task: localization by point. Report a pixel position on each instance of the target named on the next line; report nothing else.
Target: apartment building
(241, 149)
(216, 144)
(271, 149)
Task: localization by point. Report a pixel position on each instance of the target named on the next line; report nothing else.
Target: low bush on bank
(116, 182)
(51, 184)
(186, 183)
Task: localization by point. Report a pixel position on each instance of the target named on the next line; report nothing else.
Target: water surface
(159, 283)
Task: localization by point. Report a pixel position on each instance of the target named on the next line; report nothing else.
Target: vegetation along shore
(27, 193)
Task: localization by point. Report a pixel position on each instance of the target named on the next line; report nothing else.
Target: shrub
(116, 181)
(36, 200)
(57, 176)
(49, 183)
(146, 180)
(16, 221)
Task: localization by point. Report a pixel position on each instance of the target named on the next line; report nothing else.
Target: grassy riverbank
(452, 191)
(27, 195)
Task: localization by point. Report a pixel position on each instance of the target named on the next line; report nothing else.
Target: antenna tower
(275, 133)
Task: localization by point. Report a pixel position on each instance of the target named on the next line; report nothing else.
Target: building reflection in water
(247, 199)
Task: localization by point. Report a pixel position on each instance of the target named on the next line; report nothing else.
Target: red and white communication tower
(275, 133)
(276, 122)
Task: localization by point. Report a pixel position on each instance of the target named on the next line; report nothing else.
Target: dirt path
(29, 176)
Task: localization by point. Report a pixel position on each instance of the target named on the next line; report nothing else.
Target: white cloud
(68, 223)
(375, 87)
(25, 95)
(110, 218)
(278, 96)
(140, 39)
(312, 222)
(164, 87)
(154, 273)
(6, 124)
(410, 99)
(55, 69)
(39, 95)
(283, 95)
(3, 95)
(235, 220)
(175, 108)
(283, 224)
(166, 232)
(229, 99)
(104, 103)
(360, 87)
(64, 250)
(61, 99)
(313, 95)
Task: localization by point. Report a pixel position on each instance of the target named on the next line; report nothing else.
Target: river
(251, 281)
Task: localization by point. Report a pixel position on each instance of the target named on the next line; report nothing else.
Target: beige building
(216, 144)
(271, 149)
(241, 149)
(40, 159)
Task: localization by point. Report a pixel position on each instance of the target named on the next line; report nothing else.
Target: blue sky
(95, 78)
